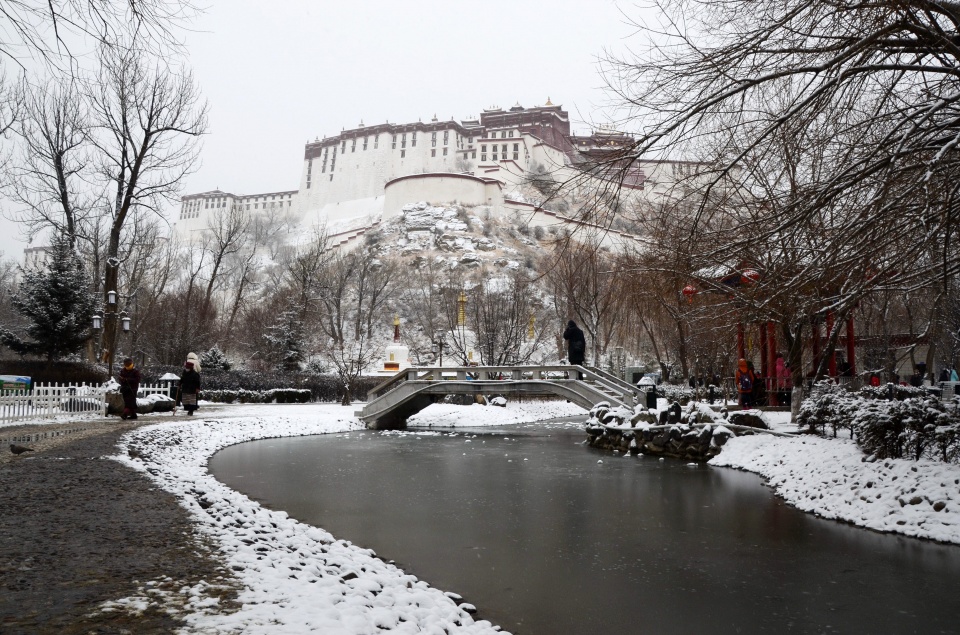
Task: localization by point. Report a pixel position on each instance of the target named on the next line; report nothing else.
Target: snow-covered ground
(829, 478)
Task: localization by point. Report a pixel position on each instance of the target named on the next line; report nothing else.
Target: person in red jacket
(129, 379)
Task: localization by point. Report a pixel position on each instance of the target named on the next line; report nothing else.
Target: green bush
(323, 388)
(278, 395)
(57, 372)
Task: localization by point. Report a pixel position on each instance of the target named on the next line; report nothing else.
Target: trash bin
(173, 384)
(649, 386)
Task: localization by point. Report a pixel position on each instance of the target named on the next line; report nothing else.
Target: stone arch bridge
(411, 390)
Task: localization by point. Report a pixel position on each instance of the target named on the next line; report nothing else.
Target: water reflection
(526, 524)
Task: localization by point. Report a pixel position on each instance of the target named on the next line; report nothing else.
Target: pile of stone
(695, 434)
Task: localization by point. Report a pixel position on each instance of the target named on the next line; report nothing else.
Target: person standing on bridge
(576, 344)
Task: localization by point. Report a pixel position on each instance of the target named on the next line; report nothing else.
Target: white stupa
(396, 355)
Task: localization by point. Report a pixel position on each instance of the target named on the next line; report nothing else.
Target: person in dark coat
(129, 379)
(189, 388)
(576, 344)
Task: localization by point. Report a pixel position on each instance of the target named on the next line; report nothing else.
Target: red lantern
(689, 291)
(750, 276)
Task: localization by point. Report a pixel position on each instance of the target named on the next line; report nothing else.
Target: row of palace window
(192, 209)
(413, 143)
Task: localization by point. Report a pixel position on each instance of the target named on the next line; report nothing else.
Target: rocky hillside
(462, 237)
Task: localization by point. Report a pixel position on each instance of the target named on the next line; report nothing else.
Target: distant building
(36, 257)
(370, 172)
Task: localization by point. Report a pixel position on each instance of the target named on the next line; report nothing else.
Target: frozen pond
(525, 523)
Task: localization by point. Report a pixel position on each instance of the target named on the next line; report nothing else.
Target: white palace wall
(461, 189)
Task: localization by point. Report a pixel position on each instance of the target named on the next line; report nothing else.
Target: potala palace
(352, 181)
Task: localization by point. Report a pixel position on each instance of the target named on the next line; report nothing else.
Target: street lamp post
(108, 322)
(439, 342)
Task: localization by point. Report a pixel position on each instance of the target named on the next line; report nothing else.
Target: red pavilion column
(772, 364)
(851, 346)
(832, 364)
(815, 342)
(741, 348)
(764, 369)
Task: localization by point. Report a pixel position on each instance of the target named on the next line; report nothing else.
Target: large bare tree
(148, 117)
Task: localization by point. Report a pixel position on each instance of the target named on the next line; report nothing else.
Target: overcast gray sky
(277, 74)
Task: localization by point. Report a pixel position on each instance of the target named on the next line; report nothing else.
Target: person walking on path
(744, 380)
(190, 387)
(576, 344)
(129, 379)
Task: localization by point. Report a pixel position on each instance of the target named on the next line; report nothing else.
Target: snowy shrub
(908, 428)
(946, 440)
(895, 390)
(828, 404)
(214, 359)
(682, 394)
(278, 395)
(326, 388)
(913, 424)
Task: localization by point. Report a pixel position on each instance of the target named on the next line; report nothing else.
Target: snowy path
(828, 478)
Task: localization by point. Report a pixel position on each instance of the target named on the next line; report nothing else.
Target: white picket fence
(46, 401)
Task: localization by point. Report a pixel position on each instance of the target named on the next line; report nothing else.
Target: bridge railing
(503, 373)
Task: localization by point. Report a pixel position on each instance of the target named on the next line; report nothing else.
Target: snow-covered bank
(294, 578)
(829, 478)
(449, 415)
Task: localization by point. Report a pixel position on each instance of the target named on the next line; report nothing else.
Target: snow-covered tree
(215, 359)
(56, 301)
(285, 341)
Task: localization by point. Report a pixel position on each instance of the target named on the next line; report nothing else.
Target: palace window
(433, 153)
(364, 143)
(474, 155)
(446, 137)
(403, 141)
(376, 142)
(483, 157)
(394, 142)
(444, 152)
(353, 146)
(483, 148)
(403, 154)
(510, 134)
(343, 146)
(413, 143)
(494, 157)
(433, 136)
(516, 156)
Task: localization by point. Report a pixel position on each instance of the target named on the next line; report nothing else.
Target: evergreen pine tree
(284, 340)
(214, 359)
(56, 300)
